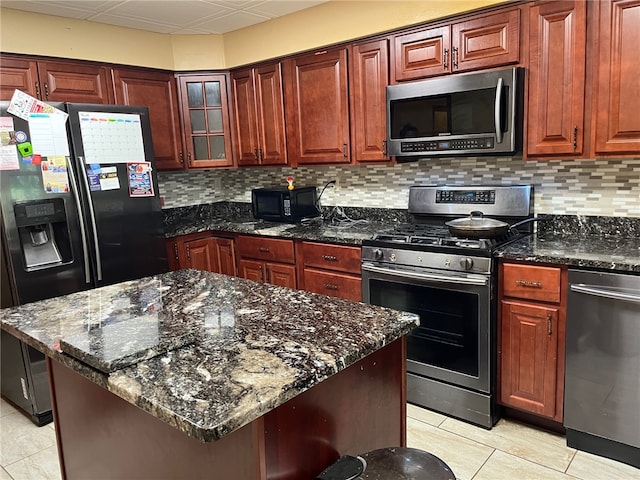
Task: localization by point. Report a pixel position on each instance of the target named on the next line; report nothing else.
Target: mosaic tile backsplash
(562, 187)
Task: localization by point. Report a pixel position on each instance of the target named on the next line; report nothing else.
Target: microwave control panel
(443, 145)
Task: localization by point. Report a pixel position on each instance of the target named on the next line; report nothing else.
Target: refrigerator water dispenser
(43, 232)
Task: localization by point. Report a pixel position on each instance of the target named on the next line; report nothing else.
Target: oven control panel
(475, 197)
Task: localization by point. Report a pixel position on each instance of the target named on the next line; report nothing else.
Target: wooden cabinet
(617, 70)
(368, 79)
(258, 107)
(317, 108)
(55, 81)
(532, 336)
(332, 270)
(205, 120)
(557, 54)
(158, 92)
(480, 42)
(202, 252)
(268, 260)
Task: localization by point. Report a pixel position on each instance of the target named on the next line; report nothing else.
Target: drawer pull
(330, 258)
(549, 325)
(263, 249)
(330, 286)
(529, 283)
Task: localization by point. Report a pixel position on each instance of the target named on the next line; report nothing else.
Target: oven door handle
(605, 293)
(427, 276)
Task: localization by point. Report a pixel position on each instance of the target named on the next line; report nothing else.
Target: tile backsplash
(562, 187)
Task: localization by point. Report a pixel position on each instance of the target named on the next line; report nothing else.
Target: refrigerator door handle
(92, 216)
(83, 232)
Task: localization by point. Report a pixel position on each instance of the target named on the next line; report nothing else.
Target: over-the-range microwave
(458, 115)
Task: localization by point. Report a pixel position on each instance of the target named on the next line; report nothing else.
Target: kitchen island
(192, 374)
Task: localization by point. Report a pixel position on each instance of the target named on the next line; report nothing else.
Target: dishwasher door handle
(605, 293)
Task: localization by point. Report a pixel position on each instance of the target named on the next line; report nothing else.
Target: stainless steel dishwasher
(602, 377)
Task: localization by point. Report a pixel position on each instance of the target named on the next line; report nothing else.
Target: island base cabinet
(359, 409)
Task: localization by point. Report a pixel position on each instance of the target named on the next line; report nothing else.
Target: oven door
(452, 343)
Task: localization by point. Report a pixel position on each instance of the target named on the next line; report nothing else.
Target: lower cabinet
(269, 260)
(332, 270)
(211, 253)
(531, 338)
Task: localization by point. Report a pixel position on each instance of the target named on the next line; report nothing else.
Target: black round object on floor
(404, 464)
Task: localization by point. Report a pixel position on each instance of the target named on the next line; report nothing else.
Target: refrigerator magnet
(139, 177)
(109, 178)
(93, 176)
(54, 175)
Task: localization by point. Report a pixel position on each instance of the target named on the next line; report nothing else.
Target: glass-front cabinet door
(205, 120)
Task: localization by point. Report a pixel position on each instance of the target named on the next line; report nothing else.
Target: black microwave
(462, 115)
(284, 205)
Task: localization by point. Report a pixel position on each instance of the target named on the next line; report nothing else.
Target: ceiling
(186, 17)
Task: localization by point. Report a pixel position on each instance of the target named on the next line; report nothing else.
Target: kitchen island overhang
(285, 378)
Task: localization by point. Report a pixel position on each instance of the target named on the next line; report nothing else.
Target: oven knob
(377, 254)
(466, 263)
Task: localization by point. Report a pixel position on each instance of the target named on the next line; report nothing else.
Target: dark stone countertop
(204, 352)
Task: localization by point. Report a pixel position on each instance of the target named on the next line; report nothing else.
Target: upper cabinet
(616, 117)
(479, 42)
(158, 92)
(205, 120)
(258, 108)
(56, 81)
(368, 79)
(557, 47)
(317, 108)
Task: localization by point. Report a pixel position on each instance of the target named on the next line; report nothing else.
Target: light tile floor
(509, 451)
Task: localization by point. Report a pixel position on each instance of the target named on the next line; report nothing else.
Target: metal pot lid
(476, 222)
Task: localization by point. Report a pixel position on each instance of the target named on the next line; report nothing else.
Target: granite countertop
(204, 352)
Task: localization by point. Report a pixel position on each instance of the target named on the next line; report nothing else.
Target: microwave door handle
(497, 111)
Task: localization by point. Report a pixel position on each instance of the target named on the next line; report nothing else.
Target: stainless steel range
(451, 283)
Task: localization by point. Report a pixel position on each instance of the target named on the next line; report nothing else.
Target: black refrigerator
(80, 209)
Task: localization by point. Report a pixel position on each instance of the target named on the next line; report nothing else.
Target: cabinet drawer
(333, 284)
(331, 257)
(531, 282)
(266, 249)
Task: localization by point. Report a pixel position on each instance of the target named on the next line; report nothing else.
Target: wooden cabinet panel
(74, 82)
(557, 49)
(333, 284)
(479, 42)
(18, 74)
(251, 270)
(531, 282)
(486, 41)
(529, 357)
(269, 249)
(158, 92)
(226, 255)
(282, 275)
(272, 144)
(422, 54)
(318, 108)
(332, 257)
(205, 120)
(245, 123)
(617, 125)
(200, 255)
(369, 77)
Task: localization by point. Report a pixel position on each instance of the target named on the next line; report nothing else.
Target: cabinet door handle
(330, 286)
(189, 158)
(181, 157)
(255, 153)
(529, 283)
(384, 148)
(445, 59)
(175, 250)
(260, 157)
(454, 57)
(261, 275)
(344, 150)
(188, 253)
(38, 89)
(549, 324)
(575, 138)
(263, 249)
(46, 89)
(330, 258)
